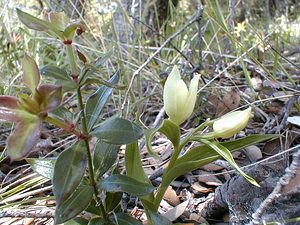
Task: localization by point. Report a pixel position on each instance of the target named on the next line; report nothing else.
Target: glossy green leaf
(133, 163)
(9, 109)
(68, 172)
(55, 72)
(121, 183)
(39, 25)
(77, 221)
(201, 152)
(134, 169)
(105, 156)
(31, 74)
(118, 131)
(43, 167)
(185, 167)
(124, 219)
(61, 76)
(96, 101)
(93, 208)
(25, 136)
(168, 128)
(96, 221)
(158, 219)
(63, 113)
(113, 199)
(75, 204)
(33, 22)
(225, 153)
(202, 155)
(49, 97)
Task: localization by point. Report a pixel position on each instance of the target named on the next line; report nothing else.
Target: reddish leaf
(31, 76)
(49, 96)
(8, 109)
(22, 141)
(81, 56)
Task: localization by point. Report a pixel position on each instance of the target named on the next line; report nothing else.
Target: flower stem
(177, 149)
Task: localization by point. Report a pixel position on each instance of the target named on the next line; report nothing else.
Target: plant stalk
(74, 71)
(72, 61)
(177, 149)
(66, 127)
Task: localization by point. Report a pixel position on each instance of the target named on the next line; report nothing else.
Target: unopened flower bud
(231, 123)
(179, 102)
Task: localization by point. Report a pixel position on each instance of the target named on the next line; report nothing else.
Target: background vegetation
(246, 52)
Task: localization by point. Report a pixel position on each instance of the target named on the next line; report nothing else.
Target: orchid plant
(77, 174)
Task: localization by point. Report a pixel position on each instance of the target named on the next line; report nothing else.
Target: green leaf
(93, 208)
(133, 163)
(59, 20)
(99, 63)
(22, 141)
(43, 167)
(68, 172)
(77, 221)
(158, 219)
(134, 169)
(124, 219)
(121, 183)
(55, 72)
(96, 102)
(113, 199)
(96, 221)
(201, 152)
(202, 155)
(75, 204)
(116, 219)
(168, 128)
(63, 113)
(70, 29)
(105, 156)
(33, 22)
(184, 167)
(225, 153)
(31, 74)
(61, 76)
(118, 131)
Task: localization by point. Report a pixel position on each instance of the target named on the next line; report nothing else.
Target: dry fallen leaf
(212, 167)
(229, 102)
(171, 196)
(209, 178)
(177, 211)
(199, 188)
(253, 152)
